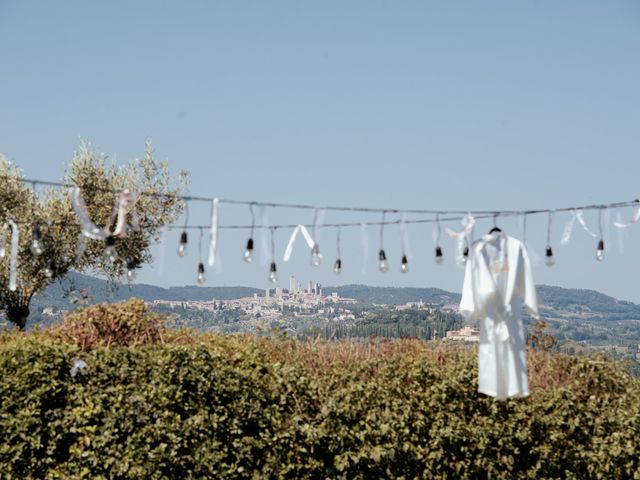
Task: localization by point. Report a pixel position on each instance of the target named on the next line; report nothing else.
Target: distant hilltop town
(295, 303)
(298, 301)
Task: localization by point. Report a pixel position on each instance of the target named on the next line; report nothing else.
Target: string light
(383, 266)
(110, 253)
(182, 246)
(316, 256)
(404, 264)
(36, 241)
(184, 238)
(439, 257)
(600, 249)
(549, 260)
(248, 253)
(273, 270)
(337, 266)
(48, 269)
(200, 277)
(131, 271)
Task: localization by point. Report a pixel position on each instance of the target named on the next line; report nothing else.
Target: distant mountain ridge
(552, 299)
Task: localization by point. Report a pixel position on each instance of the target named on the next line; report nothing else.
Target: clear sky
(447, 105)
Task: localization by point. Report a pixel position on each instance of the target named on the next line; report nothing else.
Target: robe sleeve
(467, 302)
(526, 286)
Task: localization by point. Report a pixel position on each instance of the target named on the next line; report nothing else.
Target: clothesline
(447, 215)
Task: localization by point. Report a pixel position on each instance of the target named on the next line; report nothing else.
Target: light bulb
(273, 275)
(182, 247)
(3, 251)
(248, 253)
(110, 253)
(316, 256)
(465, 254)
(36, 244)
(48, 269)
(337, 267)
(404, 264)
(549, 260)
(600, 251)
(439, 257)
(201, 279)
(383, 266)
(131, 271)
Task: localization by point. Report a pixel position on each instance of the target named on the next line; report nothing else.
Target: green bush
(241, 407)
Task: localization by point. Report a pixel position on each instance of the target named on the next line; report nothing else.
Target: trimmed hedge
(241, 407)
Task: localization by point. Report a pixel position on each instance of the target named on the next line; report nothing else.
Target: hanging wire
(350, 209)
(200, 244)
(403, 236)
(549, 224)
(186, 215)
(453, 214)
(600, 223)
(273, 243)
(315, 224)
(338, 242)
(253, 219)
(382, 224)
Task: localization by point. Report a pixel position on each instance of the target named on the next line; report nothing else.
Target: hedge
(244, 407)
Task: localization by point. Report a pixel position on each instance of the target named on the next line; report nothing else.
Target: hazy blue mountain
(555, 301)
(393, 295)
(61, 293)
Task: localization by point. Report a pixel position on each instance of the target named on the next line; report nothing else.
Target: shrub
(243, 407)
(128, 323)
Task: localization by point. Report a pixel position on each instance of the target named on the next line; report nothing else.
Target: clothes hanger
(495, 226)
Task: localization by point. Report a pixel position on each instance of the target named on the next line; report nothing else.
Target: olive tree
(48, 213)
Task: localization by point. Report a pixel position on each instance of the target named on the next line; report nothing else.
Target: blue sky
(447, 105)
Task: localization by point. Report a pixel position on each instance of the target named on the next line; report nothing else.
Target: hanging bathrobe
(497, 281)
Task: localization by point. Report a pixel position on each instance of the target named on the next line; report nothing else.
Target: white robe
(497, 281)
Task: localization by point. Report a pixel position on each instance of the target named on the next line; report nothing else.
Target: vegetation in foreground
(158, 403)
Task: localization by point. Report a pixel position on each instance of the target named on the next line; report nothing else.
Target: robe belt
(500, 329)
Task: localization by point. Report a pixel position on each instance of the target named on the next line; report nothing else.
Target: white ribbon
(305, 233)
(213, 234)
(81, 246)
(576, 214)
(123, 207)
(580, 217)
(568, 229)
(13, 262)
(89, 229)
(126, 202)
(3, 239)
(634, 217)
(468, 222)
